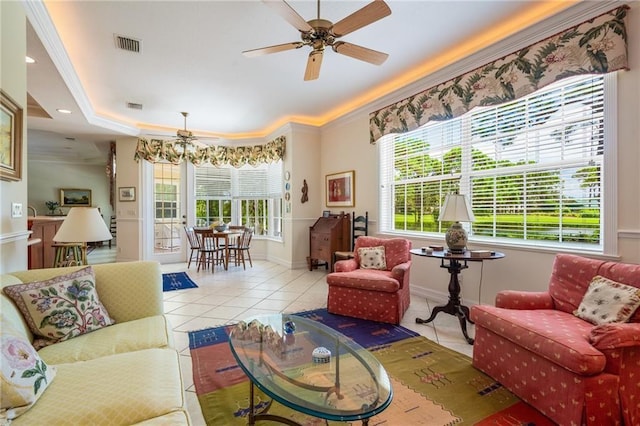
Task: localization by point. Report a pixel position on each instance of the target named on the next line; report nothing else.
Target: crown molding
(565, 19)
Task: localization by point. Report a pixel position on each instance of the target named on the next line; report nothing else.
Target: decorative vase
(456, 238)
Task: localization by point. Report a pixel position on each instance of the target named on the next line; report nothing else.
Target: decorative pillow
(372, 258)
(24, 374)
(608, 301)
(60, 308)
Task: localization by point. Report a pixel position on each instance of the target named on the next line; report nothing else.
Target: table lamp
(456, 209)
(83, 225)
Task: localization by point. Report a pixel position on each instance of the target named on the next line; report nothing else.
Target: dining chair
(235, 230)
(211, 252)
(241, 248)
(359, 228)
(194, 245)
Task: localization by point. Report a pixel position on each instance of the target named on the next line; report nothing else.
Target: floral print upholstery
(378, 295)
(574, 372)
(597, 46)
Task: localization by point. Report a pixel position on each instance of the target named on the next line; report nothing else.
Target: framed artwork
(75, 197)
(340, 189)
(127, 193)
(10, 139)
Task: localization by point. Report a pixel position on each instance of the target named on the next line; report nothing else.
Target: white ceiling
(191, 61)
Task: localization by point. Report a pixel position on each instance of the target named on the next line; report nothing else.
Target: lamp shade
(456, 208)
(83, 225)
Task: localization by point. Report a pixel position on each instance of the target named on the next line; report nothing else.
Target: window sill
(488, 245)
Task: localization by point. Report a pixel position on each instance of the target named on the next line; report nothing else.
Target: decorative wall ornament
(597, 46)
(127, 193)
(305, 192)
(156, 150)
(340, 189)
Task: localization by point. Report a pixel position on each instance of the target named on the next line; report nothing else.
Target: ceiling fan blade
(359, 52)
(273, 49)
(369, 14)
(313, 65)
(283, 9)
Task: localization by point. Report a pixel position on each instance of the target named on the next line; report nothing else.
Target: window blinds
(532, 167)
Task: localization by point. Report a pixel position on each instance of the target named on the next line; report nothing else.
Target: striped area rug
(432, 385)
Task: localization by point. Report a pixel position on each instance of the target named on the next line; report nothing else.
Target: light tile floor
(228, 296)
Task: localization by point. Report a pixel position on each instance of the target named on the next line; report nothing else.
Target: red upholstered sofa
(571, 370)
(378, 295)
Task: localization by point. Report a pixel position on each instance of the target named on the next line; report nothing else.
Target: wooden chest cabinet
(326, 236)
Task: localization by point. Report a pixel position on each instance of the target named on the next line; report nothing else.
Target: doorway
(168, 211)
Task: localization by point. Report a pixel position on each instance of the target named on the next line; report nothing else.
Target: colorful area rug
(432, 385)
(177, 281)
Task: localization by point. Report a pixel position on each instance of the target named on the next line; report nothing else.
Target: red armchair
(373, 294)
(573, 371)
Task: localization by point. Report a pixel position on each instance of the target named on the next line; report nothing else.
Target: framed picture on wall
(10, 139)
(75, 197)
(127, 193)
(340, 189)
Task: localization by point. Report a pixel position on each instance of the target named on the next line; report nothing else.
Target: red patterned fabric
(570, 280)
(574, 372)
(563, 396)
(512, 299)
(555, 335)
(368, 293)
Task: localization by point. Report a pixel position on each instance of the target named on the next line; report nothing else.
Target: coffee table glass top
(277, 353)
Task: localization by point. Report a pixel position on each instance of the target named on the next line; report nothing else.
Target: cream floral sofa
(118, 374)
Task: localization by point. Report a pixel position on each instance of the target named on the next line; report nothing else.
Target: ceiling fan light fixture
(184, 133)
(319, 33)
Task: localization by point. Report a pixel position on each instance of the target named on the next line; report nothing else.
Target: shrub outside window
(532, 168)
(251, 196)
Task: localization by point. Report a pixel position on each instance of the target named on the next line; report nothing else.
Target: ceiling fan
(320, 33)
(185, 139)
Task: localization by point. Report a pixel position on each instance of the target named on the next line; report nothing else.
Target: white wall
(47, 178)
(303, 151)
(345, 146)
(13, 80)
(128, 214)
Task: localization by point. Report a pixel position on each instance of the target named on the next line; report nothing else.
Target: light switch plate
(16, 210)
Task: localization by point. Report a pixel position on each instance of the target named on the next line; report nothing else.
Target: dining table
(226, 236)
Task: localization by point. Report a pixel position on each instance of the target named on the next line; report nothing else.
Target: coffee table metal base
(254, 417)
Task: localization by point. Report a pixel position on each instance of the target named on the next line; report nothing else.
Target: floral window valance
(597, 46)
(156, 150)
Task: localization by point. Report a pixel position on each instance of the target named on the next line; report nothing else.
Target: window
(532, 168)
(251, 196)
(166, 201)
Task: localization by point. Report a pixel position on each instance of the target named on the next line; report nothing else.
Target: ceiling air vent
(133, 105)
(128, 43)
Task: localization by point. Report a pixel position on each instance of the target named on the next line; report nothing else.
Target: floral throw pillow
(372, 258)
(24, 375)
(608, 301)
(60, 308)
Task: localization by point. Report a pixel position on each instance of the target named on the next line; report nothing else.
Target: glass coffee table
(310, 368)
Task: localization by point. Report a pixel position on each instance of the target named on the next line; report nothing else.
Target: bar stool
(68, 254)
